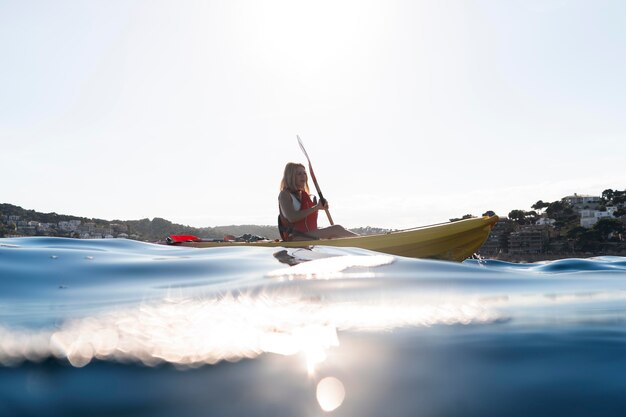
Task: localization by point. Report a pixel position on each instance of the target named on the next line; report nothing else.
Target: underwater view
(116, 327)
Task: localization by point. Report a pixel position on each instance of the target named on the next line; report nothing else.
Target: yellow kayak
(453, 241)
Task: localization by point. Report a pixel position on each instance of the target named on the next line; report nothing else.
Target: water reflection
(188, 332)
(330, 393)
(191, 332)
(332, 267)
(283, 319)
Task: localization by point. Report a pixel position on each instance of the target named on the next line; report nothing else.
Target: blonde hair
(289, 178)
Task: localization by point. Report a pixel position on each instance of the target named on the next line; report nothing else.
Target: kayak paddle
(317, 187)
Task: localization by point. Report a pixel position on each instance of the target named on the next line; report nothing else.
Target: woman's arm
(289, 211)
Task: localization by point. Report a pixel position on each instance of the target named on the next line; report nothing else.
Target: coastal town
(20, 227)
(575, 225)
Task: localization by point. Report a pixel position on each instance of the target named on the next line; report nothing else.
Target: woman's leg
(332, 232)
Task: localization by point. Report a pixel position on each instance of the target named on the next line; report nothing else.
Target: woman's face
(301, 178)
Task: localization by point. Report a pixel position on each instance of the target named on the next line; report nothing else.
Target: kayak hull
(454, 241)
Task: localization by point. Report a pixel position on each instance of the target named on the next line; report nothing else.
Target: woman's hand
(322, 204)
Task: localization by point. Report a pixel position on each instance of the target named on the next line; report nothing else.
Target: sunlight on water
(287, 320)
(191, 332)
(333, 267)
(196, 332)
(330, 393)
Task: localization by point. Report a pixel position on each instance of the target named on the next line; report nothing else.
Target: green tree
(576, 232)
(539, 205)
(604, 227)
(582, 239)
(523, 217)
(607, 195)
(465, 216)
(563, 214)
(614, 197)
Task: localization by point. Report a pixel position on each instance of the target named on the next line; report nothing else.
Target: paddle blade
(309, 160)
(303, 150)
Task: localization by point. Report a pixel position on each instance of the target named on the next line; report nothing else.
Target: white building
(582, 201)
(71, 225)
(544, 221)
(590, 217)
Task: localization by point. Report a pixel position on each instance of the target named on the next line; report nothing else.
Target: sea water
(124, 328)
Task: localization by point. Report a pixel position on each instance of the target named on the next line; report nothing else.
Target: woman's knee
(337, 230)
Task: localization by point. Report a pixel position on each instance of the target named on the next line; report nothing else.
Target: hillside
(15, 220)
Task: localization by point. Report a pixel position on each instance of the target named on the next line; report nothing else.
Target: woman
(298, 213)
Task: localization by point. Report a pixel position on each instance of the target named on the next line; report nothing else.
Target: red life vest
(308, 224)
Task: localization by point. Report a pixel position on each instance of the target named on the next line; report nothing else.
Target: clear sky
(412, 111)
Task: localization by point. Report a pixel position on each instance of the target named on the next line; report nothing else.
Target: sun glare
(330, 393)
(298, 39)
(194, 332)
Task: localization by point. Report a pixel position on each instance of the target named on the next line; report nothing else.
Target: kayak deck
(454, 241)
